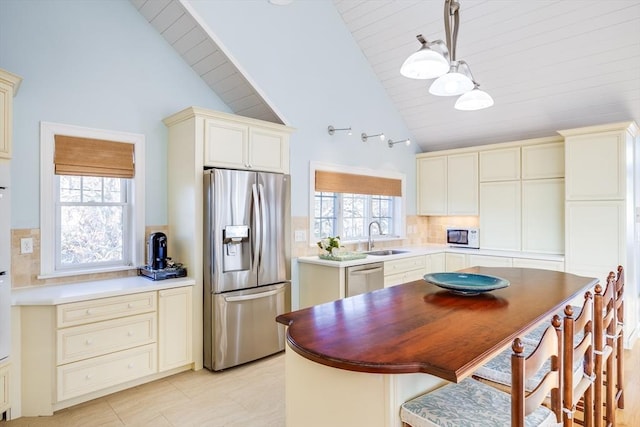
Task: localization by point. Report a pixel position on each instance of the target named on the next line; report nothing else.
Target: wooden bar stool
(577, 384)
(618, 329)
(472, 403)
(603, 350)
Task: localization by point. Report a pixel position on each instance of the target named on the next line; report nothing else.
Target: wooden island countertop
(418, 327)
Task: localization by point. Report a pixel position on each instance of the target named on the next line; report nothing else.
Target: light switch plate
(300, 235)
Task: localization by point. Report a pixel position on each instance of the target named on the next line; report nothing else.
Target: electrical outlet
(26, 245)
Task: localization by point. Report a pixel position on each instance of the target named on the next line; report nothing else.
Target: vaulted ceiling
(548, 64)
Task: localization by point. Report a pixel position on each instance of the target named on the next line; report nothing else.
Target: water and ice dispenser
(237, 248)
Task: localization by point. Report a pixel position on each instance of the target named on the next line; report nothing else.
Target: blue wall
(98, 63)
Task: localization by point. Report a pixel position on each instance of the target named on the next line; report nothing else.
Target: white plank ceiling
(548, 64)
(195, 42)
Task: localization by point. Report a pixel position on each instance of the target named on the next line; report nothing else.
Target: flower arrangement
(329, 244)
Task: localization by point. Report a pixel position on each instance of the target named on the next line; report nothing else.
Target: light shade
(424, 64)
(475, 99)
(451, 84)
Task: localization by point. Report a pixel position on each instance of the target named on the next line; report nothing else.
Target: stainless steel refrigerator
(246, 265)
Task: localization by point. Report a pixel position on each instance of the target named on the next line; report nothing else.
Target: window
(345, 202)
(348, 215)
(92, 208)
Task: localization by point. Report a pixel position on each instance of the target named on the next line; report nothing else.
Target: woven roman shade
(93, 157)
(337, 182)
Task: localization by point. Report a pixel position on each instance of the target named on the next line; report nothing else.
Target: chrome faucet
(370, 240)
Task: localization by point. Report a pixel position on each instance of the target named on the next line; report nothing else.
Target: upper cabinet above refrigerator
(235, 142)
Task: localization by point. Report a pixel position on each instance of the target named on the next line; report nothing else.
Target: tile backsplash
(25, 268)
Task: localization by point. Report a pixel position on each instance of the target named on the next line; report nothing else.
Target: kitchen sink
(387, 252)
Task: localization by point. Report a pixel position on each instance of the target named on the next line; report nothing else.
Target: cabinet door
(6, 101)
(455, 262)
(437, 263)
(226, 144)
(4, 388)
(268, 150)
(500, 223)
(432, 185)
(543, 161)
(595, 166)
(489, 261)
(462, 184)
(175, 325)
(500, 165)
(595, 237)
(543, 216)
(542, 264)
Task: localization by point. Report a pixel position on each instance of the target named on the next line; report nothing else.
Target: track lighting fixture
(406, 142)
(333, 130)
(364, 136)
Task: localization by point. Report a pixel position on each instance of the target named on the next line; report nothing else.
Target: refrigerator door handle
(254, 296)
(263, 220)
(257, 226)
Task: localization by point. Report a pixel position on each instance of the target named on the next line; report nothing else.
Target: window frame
(48, 195)
(399, 231)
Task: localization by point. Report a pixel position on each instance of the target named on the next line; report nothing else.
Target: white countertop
(427, 250)
(60, 294)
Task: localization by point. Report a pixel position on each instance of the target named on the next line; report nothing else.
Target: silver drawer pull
(130, 305)
(88, 377)
(130, 333)
(89, 311)
(130, 366)
(89, 341)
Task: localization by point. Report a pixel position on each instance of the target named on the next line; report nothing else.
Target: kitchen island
(355, 361)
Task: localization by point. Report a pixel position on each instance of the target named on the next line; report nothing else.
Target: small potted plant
(330, 244)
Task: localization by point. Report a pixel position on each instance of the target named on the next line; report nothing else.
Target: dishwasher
(364, 278)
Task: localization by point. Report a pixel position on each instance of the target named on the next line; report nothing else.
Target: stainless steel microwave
(463, 237)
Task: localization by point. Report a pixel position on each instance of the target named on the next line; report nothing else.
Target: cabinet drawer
(78, 313)
(97, 339)
(76, 379)
(400, 278)
(405, 264)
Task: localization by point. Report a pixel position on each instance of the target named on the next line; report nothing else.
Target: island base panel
(319, 396)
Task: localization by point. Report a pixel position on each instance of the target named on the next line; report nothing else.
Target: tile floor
(251, 395)
(247, 396)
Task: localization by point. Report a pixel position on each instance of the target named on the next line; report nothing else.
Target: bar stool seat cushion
(469, 403)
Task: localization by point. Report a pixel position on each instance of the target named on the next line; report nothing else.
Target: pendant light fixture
(453, 80)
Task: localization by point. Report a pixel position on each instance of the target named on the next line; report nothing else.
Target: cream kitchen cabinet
(543, 161)
(500, 215)
(500, 164)
(596, 165)
(455, 261)
(602, 207)
(174, 328)
(489, 261)
(5, 369)
(437, 263)
(543, 216)
(236, 145)
(320, 283)
(9, 84)
(542, 264)
(405, 270)
(448, 185)
(78, 351)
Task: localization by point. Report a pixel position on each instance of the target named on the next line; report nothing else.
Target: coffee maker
(157, 251)
(159, 265)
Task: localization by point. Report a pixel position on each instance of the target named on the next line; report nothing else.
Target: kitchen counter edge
(429, 250)
(83, 291)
